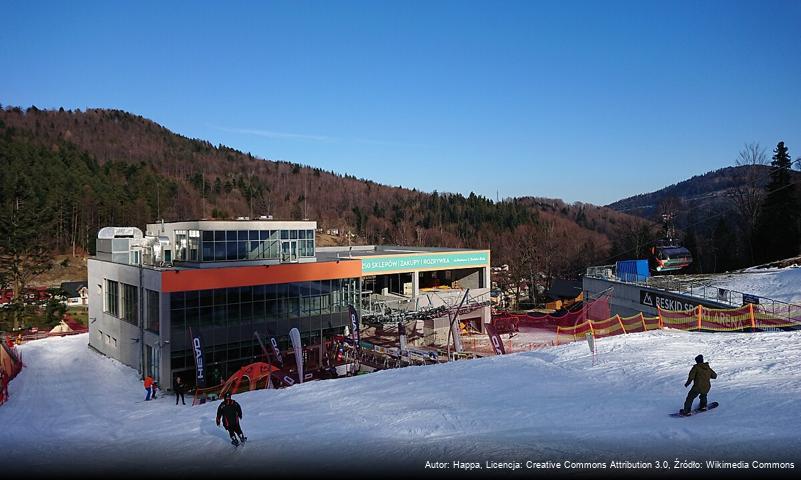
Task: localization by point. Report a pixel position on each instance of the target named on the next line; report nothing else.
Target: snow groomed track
(72, 406)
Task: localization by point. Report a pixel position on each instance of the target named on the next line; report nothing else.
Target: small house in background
(564, 293)
(77, 293)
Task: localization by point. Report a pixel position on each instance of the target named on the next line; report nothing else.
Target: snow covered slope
(74, 410)
(783, 284)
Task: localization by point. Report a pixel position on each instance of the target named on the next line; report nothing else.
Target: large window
(112, 302)
(152, 311)
(130, 304)
(227, 317)
(226, 245)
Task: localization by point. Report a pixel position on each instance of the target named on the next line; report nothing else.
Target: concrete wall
(628, 300)
(128, 348)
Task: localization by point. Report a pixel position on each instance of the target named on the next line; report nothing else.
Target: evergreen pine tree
(777, 232)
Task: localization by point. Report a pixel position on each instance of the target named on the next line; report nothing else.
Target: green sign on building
(434, 261)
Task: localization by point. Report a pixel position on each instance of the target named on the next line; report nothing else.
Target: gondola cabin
(667, 258)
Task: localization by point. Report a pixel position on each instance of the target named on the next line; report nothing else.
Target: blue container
(632, 270)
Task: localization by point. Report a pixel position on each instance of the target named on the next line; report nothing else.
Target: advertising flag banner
(497, 344)
(276, 351)
(354, 325)
(402, 339)
(294, 335)
(197, 352)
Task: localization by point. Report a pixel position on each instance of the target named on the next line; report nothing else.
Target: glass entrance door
(152, 362)
(289, 251)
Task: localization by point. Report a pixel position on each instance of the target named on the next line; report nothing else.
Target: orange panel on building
(208, 278)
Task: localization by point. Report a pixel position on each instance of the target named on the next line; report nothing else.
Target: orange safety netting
(571, 334)
(639, 323)
(787, 317)
(576, 325)
(10, 365)
(680, 319)
(597, 309)
(606, 328)
(726, 320)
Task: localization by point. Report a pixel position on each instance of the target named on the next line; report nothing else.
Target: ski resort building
(153, 294)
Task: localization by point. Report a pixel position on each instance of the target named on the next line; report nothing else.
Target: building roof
(361, 251)
(72, 288)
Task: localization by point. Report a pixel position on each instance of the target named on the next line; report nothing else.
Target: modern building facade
(151, 292)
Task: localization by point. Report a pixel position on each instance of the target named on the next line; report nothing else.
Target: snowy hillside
(74, 409)
(783, 284)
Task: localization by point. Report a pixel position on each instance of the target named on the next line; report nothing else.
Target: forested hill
(717, 214)
(82, 170)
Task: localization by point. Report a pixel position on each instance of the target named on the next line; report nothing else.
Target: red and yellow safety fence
(571, 334)
(748, 318)
(765, 320)
(727, 320)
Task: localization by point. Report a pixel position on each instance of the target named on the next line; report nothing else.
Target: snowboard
(696, 411)
(236, 443)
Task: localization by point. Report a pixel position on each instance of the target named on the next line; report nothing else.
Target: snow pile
(72, 407)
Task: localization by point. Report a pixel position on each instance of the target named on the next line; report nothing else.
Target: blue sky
(582, 100)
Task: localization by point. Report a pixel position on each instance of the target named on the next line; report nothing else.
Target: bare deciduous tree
(748, 195)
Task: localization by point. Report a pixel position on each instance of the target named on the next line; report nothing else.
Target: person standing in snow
(700, 376)
(230, 412)
(180, 389)
(148, 383)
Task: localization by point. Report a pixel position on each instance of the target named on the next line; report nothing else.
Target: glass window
(264, 234)
(192, 316)
(245, 294)
(293, 307)
(242, 235)
(205, 316)
(231, 250)
(219, 236)
(233, 315)
(220, 296)
(112, 298)
(153, 310)
(208, 251)
(284, 234)
(219, 251)
(258, 311)
(254, 250)
(208, 236)
(206, 298)
(218, 315)
(177, 300)
(259, 293)
(253, 234)
(302, 234)
(192, 299)
(194, 245)
(230, 235)
(130, 304)
(181, 245)
(293, 234)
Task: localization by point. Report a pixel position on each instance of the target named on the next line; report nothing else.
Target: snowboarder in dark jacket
(230, 412)
(700, 376)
